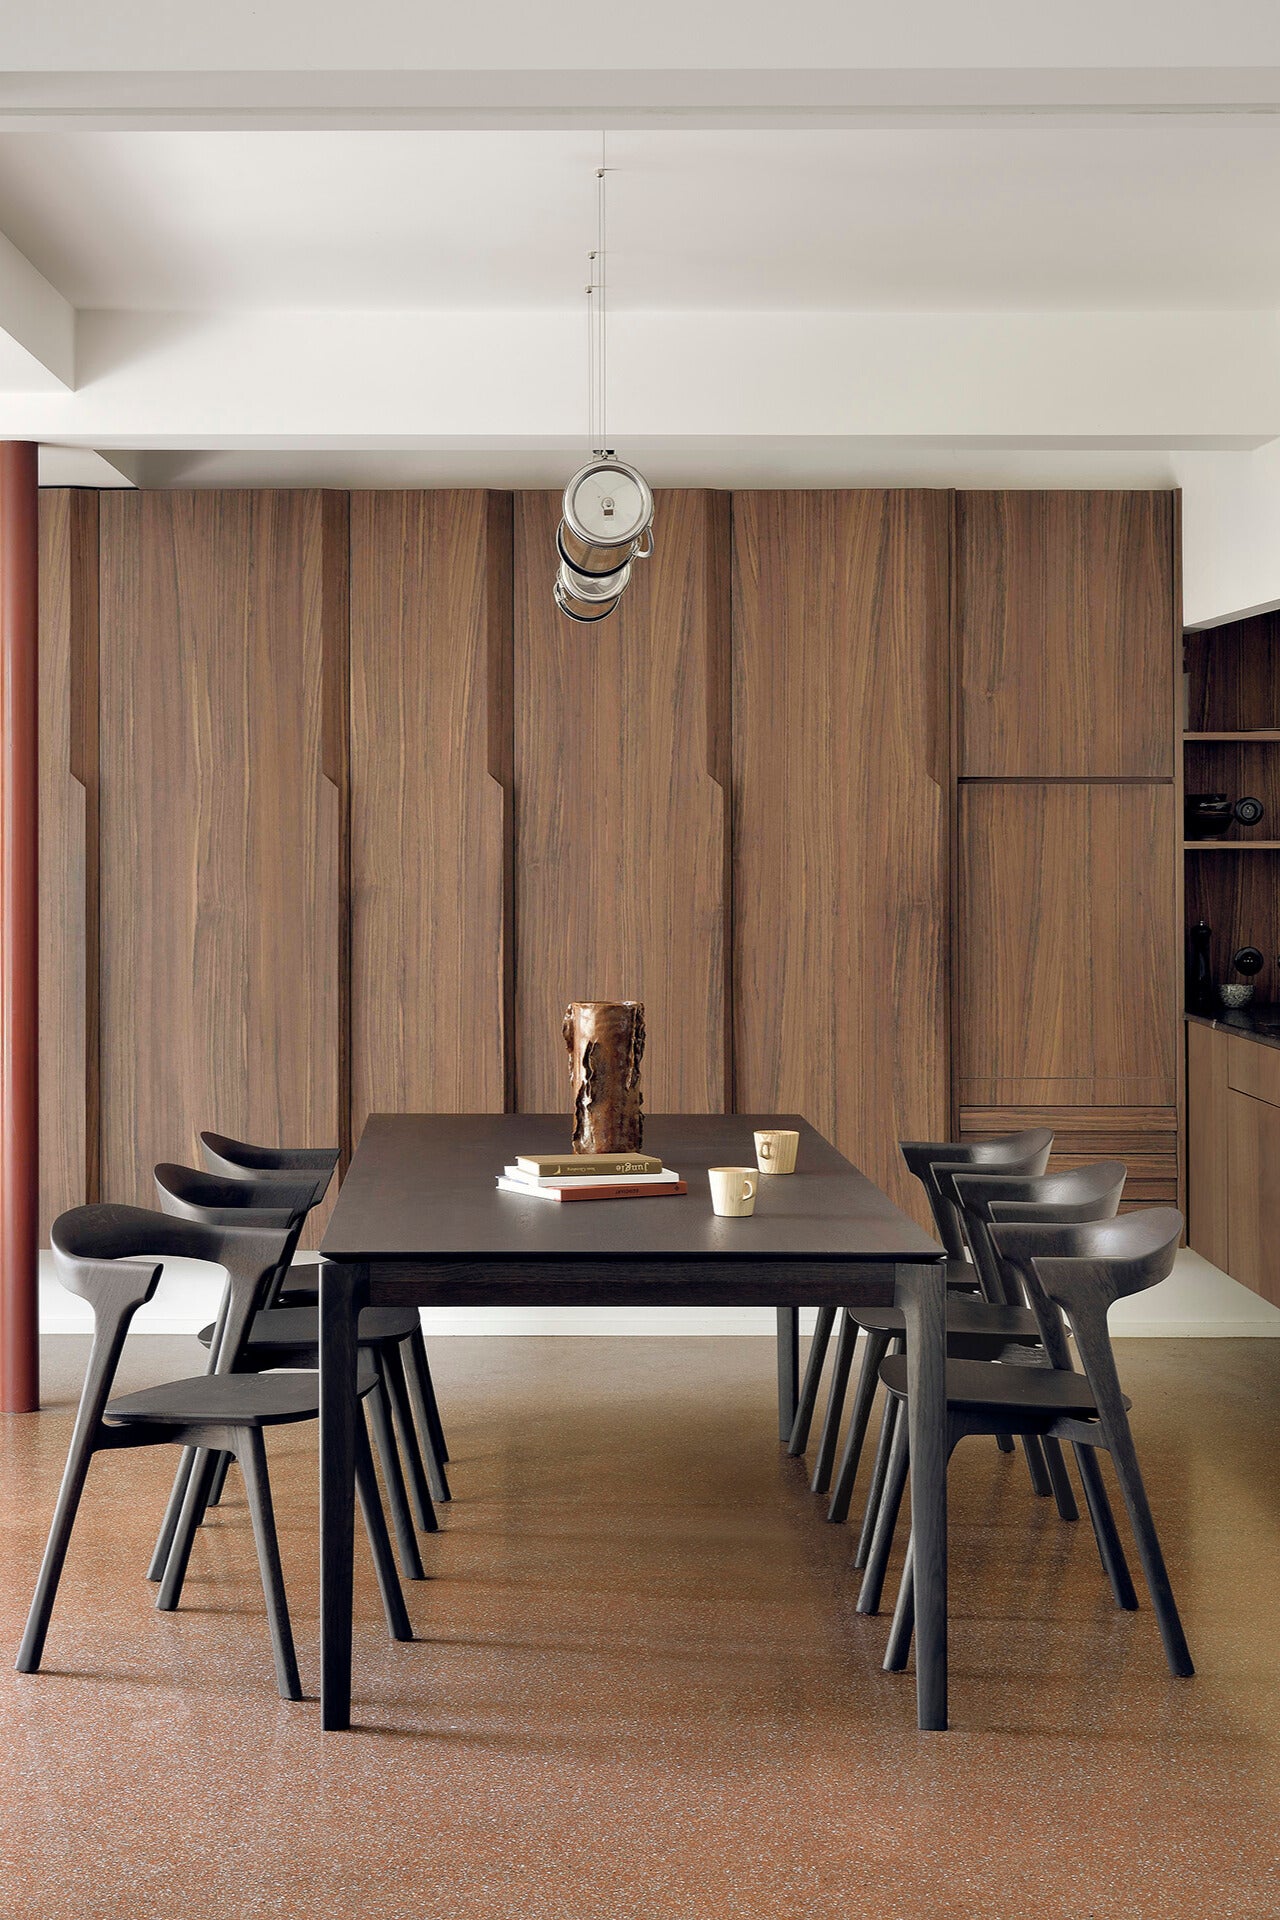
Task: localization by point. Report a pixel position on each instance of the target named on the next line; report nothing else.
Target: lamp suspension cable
(606, 520)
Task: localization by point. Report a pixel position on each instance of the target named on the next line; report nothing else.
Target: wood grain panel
(1239, 895)
(1145, 1138)
(69, 1138)
(219, 849)
(840, 636)
(1069, 959)
(1065, 614)
(1208, 1209)
(1253, 1194)
(621, 841)
(1234, 676)
(430, 654)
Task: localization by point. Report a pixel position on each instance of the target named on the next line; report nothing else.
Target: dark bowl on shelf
(1206, 815)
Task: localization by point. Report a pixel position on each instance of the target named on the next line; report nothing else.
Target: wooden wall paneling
(622, 821)
(219, 908)
(841, 817)
(70, 1173)
(1145, 1138)
(1234, 675)
(1066, 610)
(1239, 895)
(1069, 958)
(430, 801)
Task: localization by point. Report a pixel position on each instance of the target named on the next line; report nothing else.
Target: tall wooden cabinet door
(1065, 609)
(68, 851)
(1253, 1194)
(1067, 949)
(840, 625)
(621, 765)
(430, 728)
(219, 830)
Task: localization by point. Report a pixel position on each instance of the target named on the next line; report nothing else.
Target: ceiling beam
(37, 328)
(677, 97)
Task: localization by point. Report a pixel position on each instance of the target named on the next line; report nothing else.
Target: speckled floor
(641, 1688)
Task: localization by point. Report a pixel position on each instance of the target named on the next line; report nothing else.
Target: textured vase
(605, 1039)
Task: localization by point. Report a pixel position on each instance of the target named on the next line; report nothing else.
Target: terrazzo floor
(641, 1688)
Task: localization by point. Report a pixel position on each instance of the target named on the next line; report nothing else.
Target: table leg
(788, 1369)
(343, 1291)
(922, 1294)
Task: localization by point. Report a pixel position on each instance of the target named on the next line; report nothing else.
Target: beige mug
(733, 1190)
(776, 1149)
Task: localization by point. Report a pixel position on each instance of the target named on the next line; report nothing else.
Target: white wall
(1230, 533)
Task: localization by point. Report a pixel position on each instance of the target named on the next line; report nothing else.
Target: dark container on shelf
(1206, 815)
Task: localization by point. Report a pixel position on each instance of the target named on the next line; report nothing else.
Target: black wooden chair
(113, 1257)
(1078, 1271)
(290, 1337)
(1072, 1195)
(1025, 1152)
(300, 1286)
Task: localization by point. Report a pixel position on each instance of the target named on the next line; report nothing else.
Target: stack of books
(590, 1176)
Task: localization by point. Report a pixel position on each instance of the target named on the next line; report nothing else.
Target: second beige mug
(776, 1149)
(733, 1190)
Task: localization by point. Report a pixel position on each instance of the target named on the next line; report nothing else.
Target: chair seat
(232, 1399)
(964, 1316)
(297, 1327)
(962, 1277)
(980, 1385)
(301, 1284)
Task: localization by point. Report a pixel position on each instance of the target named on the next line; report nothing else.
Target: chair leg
(812, 1375)
(375, 1523)
(393, 1480)
(437, 1479)
(193, 1505)
(1059, 1480)
(879, 1467)
(257, 1486)
(904, 1616)
(1039, 1473)
(1004, 1441)
(169, 1525)
(1110, 1551)
(886, 1521)
(74, 1475)
(874, 1348)
(422, 1367)
(1129, 1474)
(219, 1480)
(845, 1345)
(392, 1372)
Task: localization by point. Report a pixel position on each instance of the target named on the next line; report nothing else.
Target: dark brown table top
(421, 1188)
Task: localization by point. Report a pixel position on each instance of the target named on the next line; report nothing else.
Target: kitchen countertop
(1257, 1021)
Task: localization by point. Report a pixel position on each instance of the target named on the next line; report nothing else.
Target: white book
(589, 1179)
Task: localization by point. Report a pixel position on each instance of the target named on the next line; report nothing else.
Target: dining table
(419, 1220)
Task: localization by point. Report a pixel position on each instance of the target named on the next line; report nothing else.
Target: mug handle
(750, 1181)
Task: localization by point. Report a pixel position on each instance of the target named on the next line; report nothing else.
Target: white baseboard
(1196, 1302)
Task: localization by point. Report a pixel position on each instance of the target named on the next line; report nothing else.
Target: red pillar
(19, 951)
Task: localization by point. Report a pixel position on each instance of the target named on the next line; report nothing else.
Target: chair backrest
(1073, 1194)
(266, 1199)
(222, 1154)
(113, 1257)
(1025, 1152)
(1083, 1267)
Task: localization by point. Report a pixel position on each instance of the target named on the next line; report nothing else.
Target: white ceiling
(1014, 217)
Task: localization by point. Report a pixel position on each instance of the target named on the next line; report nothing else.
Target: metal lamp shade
(606, 523)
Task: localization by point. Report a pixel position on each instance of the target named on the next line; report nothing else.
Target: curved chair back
(1072, 1194)
(113, 1257)
(1026, 1152)
(266, 1199)
(224, 1155)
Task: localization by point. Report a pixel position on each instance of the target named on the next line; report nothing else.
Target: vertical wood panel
(1068, 948)
(840, 631)
(69, 1173)
(219, 852)
(1066, 612)
(621, 866)
(430, 664)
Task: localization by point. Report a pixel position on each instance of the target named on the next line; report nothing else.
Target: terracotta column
(19, 952)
